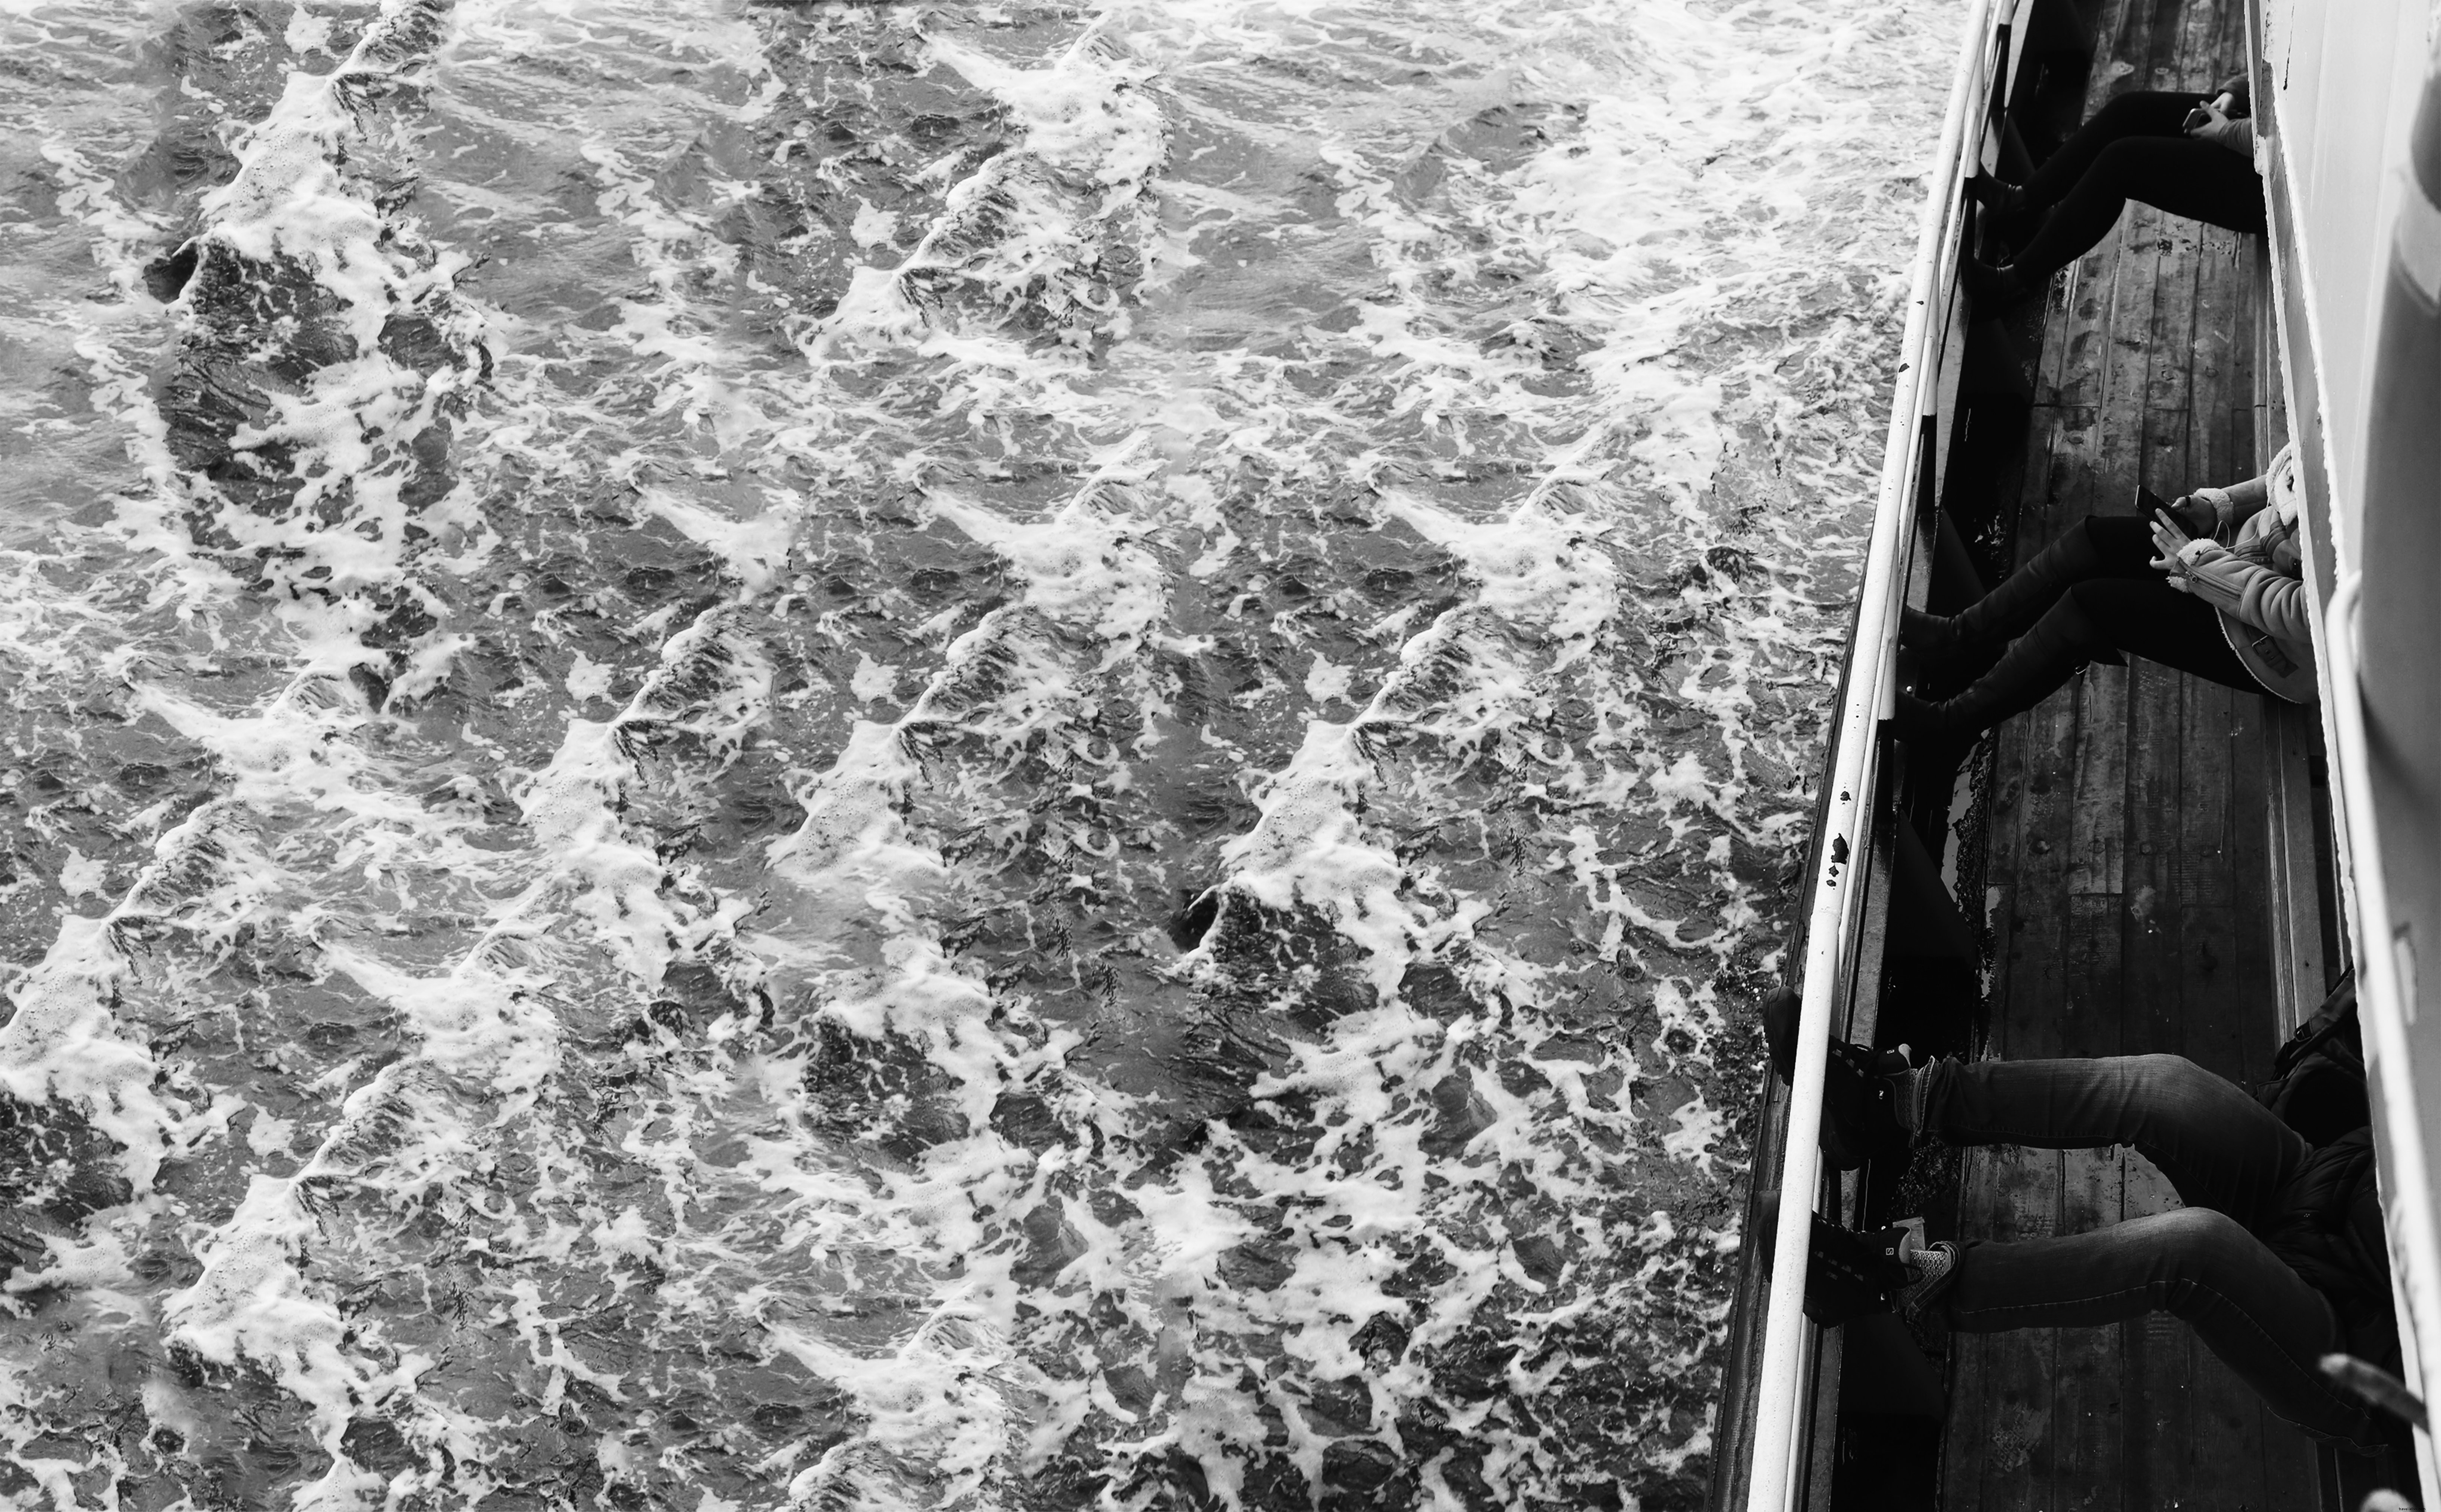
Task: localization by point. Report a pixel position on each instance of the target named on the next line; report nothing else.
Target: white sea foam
(699, 776)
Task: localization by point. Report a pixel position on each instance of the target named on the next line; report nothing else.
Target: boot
(1994, 289)
(1938, 658)
(2007, 216)
(2012, 607)
(2035, 664)
(1993, 194)
(1935, 634)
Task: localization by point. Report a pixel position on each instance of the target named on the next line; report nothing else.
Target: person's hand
(2208, 114)
(2169, 540)
(2195, 515)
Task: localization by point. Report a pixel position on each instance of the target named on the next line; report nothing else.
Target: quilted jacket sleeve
(2267, 599)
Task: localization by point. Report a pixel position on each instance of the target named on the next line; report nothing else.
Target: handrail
(1772, 1485)
(2381, 1004)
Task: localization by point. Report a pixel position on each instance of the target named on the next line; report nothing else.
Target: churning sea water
(996, 755)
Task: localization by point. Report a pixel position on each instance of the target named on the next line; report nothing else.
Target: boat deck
(2150, 856)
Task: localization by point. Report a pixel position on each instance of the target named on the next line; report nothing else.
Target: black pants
(2130, 604)
(2125, 606)
(2135, 148)
(2112, 606)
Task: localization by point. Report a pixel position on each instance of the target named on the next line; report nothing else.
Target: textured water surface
(976, 756)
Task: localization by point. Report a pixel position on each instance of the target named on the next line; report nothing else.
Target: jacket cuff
(2237, 134)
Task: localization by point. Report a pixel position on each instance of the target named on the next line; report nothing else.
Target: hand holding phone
(2190, 514)
(2169, 539)
(2211, 113)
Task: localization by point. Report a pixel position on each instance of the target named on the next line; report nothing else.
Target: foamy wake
(1052, 231)
(207, 884)
(1356, 467)
(427, 1129)
(1538, 581)
(950, 1402)
(322, 485)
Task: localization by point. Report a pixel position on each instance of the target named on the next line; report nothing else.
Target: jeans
(2135, 148)
(2228, 1156)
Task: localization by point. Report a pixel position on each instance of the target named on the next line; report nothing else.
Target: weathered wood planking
(2088, 1393)
(2129, 861)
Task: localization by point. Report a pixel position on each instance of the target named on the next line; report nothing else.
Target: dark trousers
(2228, 1156)
(2124, 605)
(2135, 148)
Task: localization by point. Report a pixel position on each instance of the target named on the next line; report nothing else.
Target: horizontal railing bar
(1772, 1486)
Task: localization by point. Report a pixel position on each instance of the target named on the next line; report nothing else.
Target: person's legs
(2248, 1307)
(2159, 624)
(2219, 1147)
(2096, 546)
(2184, 177)
(2138, 112)
(2096, 620)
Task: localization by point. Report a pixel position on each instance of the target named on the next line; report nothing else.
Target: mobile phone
(2147, 502)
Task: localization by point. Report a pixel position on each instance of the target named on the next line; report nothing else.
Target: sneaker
(1860, 1116)
(1928, 1266)
(1852, 1275)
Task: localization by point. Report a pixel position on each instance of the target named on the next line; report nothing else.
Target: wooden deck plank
(2170, 375)
(2097, 818)
(2151, 924)
(2171, 42)
(2221, 344)
(2157, 1365)
(2080, 333)
(2076, 345)
(1971, 1371)
(2145, 1004)
(2020, 1466)
(2070, 373)
(2089, 1395)
(1981, 1363)
(2249, 848)
(2026, 1023)
(2008, 779)
(2092, 1017)
(2088, 1406)
(2134, 251)
(2223, 1034)
(2007, 1454)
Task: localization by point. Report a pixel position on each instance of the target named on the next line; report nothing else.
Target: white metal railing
(1773, 1481)
(2383, 1010)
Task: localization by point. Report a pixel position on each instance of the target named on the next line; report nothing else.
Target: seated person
(2213, 584)
(2176, 151)
(2277, 1260)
